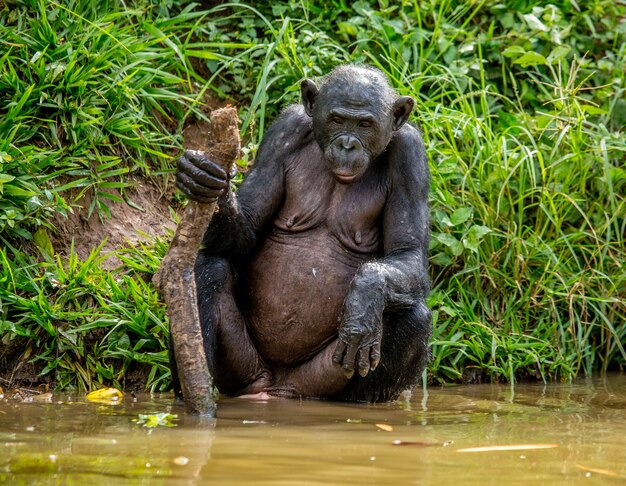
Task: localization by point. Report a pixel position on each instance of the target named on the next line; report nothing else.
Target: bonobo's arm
(400, 278)
(235, 227)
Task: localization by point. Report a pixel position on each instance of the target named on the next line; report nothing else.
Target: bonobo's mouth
(346, 168)
(344, 178)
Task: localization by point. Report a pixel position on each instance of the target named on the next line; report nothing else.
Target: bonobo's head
(355, 113)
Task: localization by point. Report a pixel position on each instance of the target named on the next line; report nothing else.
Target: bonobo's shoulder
(288, 134)
(294, 114)
(408, 138)
(292, 124)
(406, 150)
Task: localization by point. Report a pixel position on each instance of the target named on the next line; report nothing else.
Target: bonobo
(317, 267)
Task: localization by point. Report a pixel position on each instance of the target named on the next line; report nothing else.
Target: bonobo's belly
(296, 287)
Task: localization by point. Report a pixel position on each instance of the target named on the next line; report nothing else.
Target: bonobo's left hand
(200, 178)
(360, 333)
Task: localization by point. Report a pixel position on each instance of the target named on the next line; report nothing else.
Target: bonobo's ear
(309, 93)
(401, 111)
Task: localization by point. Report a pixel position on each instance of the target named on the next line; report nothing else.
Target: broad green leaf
(593, 110)
(347, 28)
(531, 59)
(513, 51)
(558, 54)
(460, 216)
(42, 240)
(441, 260)
(534, 23)
(446, 239)
(474, 237)
(451, 242)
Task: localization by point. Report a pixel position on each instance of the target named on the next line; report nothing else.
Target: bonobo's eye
(365, 124)
(337, 120)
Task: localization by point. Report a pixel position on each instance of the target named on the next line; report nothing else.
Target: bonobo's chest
(350, 213)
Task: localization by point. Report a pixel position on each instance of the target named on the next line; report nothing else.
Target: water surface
(416, 441)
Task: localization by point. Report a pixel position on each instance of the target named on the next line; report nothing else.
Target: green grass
(86, 325)
(523, 110)
(91, 93)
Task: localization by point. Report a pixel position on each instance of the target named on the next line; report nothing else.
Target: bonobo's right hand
(200, 178)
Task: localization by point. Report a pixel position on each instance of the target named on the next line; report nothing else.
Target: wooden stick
(175, 279)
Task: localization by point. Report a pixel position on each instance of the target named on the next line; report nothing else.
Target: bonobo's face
(354, 115)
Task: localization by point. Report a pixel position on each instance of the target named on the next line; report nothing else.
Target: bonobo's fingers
(200, 178)
(195, 191)
(375, 356)
(203, 162)
(364, 361)
(349, 360)
(203, 172)
(344, 356)
(368, 358)
(340, 350)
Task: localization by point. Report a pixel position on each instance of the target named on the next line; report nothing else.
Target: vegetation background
(523, 109)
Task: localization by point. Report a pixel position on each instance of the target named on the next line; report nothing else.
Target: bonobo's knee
(423, 317)
(420, 330)
(212, 273)
(405, 354)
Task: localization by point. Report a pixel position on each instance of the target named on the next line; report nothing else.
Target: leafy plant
(82, 325)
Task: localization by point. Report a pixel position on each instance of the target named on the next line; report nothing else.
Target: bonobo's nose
(349, 143)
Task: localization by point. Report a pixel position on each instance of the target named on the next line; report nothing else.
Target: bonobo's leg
(404, 355)
(318, 377)
(232, 358)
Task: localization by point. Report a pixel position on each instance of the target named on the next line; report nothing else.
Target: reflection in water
(415, 441)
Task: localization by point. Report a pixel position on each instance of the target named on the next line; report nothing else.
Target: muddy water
(417, 441)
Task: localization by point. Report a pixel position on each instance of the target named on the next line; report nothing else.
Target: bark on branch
(175, 278)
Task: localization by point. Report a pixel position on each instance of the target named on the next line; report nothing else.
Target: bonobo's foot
(285, 391)
(257, 396)
(259, 385)
(318, 377)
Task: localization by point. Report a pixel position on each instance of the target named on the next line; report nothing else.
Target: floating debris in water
(422, 443)
(44, 397)
(27, 395)
(603, 472)
(15, 444)
(181, 461)
(385, 427)
(511, 447)
(157, 420)
(110, 396)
